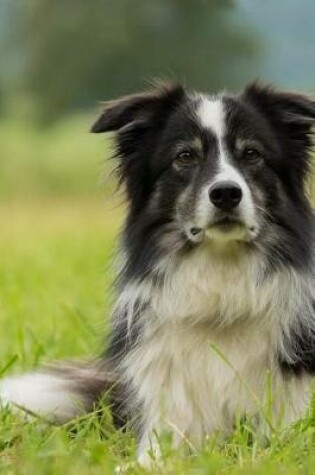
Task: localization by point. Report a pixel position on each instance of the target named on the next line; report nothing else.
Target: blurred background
(59, 58)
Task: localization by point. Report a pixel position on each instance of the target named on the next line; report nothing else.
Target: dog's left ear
(292, 117)
(282, 107)
(138, 108)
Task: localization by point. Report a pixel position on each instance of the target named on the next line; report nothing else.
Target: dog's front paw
(125, 468)
(145, 461)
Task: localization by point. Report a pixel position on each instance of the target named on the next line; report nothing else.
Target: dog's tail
(58, 393)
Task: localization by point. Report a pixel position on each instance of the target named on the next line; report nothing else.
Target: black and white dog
(216, 290)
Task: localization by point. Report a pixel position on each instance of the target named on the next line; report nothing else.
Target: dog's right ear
(139, 107)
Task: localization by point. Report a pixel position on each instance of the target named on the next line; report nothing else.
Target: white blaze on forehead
(212, 115)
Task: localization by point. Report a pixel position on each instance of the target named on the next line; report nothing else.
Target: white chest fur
(209, 341)
(196, 381)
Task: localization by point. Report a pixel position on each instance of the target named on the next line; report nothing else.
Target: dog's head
(215, 169)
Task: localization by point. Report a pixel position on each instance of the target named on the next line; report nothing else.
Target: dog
(215, 293)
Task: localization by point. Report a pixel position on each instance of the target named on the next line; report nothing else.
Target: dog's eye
(252, 155)
(185, 158)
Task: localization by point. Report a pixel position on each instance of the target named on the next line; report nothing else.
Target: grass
(55, 277)
(64, 159)
(54, 269)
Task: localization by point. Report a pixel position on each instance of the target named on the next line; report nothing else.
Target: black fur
(172, 147)
(148, 125)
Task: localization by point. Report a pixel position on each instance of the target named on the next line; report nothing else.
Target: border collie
(215, 296)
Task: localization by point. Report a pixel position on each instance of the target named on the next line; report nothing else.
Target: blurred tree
(76, 52)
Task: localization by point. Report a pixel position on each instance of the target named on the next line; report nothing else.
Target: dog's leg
(149, 451)
(149, 437)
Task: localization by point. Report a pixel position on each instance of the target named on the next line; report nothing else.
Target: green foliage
(73, 53)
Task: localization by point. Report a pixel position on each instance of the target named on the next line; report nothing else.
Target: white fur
(45, 395)
(211, 114)
(209, 344)
(189, 390)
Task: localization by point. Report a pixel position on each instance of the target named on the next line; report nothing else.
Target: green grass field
(55, 297)
(56, 246)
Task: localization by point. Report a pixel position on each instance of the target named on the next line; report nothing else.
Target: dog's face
(217, 169)
(211, 161)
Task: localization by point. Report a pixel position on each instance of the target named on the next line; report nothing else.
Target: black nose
(225, 194)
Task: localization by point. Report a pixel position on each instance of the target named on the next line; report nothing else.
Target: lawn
(55, 278)
(56, 269)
